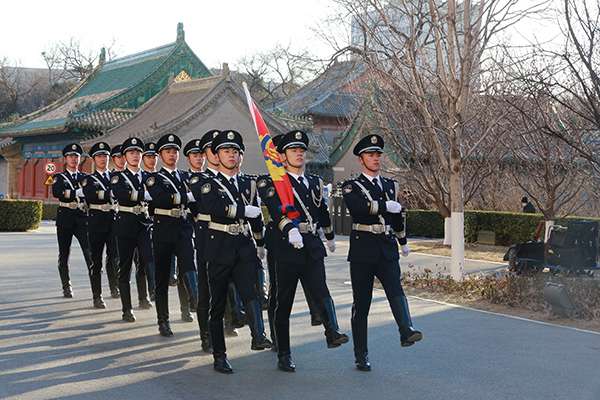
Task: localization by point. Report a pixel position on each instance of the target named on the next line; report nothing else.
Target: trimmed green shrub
(510, 228)
(424, 223)
(20, 215)
(49, 211)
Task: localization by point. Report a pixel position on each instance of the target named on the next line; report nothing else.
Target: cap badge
(373, 139)
(152, 146)
(215, 134)
(74, 147)
(298, 135)
(197, 143)
(230, 135)
(171, 138)
(134, 141)
(101, 145)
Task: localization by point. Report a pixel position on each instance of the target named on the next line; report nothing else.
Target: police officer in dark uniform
(96, 188)
(117, 158)
(194, 151)
(378, 226)
(172, 232)
(132, 225)
(230, 251)
(71, 218)
(299, 250)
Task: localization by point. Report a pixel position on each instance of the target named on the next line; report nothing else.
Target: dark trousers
(202, 267)
(362, 276)
(183, 249)
(243, 275)
(98, 240)
(126, 247)
(272, 305)
(313, 278)
(65, 237)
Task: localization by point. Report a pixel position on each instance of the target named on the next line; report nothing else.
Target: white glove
(251, 211)
(260, 251)
(295, 238)
(331, 245)
(393, 206)
(405, 251)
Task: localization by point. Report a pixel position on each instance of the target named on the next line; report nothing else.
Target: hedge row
(49, 211)
(510, 228)
(20, 215)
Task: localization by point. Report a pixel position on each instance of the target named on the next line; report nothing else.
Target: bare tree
(429, 55)
(15, 86)
(278, 72)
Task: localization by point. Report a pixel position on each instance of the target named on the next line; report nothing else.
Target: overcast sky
(217, 31)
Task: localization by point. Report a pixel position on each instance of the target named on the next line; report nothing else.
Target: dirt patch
(593, 325)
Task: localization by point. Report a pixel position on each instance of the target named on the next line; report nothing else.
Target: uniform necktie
(174, 173)
(376, 183)
(301, 180)
(232, 181)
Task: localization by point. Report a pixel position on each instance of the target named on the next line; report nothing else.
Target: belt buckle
(303, 227)
(233, 229)
(174, 212)
(137, 209)
(378, 228)
(105, 207)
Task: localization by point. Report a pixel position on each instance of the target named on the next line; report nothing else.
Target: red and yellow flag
(280, 177)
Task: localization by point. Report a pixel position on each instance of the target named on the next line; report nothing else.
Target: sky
(217, 31)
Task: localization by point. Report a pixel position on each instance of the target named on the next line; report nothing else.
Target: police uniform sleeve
(119, 188)
(216, 204)
(257, 224)
(61, 190)
(163, 198)
(324, 217)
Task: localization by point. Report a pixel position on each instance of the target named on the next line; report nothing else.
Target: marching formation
(203, 231)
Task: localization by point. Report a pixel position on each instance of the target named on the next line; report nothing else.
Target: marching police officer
(96, 188)
(299, 250)
(117, 158)
(71, 218)
(378, 226)
(230, 251)
(132, 225)
(172, 232)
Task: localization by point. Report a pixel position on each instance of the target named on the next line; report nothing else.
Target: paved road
(52, 347)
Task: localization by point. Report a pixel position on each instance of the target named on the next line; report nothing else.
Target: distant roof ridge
(139, 57)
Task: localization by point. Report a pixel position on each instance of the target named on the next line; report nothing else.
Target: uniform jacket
(222, 247)
(196, 180)
(367, 247)
(168, 193)
(129, 195)
(96, 189)
(64, 188)
(312, 198)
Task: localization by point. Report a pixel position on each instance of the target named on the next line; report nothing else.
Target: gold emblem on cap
(152, 146)
(134, 141)
(74, 146)
(197, 143)
(215, 134)
(101, 145)
(298, 135)
(373, 139)
(230, 135)
(171, 138)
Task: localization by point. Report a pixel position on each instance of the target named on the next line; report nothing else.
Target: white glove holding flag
(295, 238)
(331, 245)
(405, 251)
(393, 206)
(260, 251)
(251, 211)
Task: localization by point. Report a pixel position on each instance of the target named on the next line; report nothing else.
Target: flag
(280, 177)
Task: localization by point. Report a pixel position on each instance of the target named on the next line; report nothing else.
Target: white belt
(376, 228)
(73, 205)
(232, 229)
(172, 212)
(305, 227)
(102, 207)
(202, 217)
(139, 209)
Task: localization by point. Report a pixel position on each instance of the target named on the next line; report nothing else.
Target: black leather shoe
(238, 319)
(99, 303)
(260, 343)
(128, 316)
(114, 293)
(409, 337)
(285, 363)
(68, 291)
(187, 316)
(335, 339)
(145, 303)
(164, 328)
(206, 345)
(362, 362)
(315, 320)
(222, 365)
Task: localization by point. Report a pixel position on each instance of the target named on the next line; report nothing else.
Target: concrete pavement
(52, 347)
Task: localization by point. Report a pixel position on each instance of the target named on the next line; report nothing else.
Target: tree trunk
(458, 232)
(448, 231)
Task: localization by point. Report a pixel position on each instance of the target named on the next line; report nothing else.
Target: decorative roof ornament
(180, 32)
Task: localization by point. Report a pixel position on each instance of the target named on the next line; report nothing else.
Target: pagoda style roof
(112, 92)
(331, 94)
(191, 108)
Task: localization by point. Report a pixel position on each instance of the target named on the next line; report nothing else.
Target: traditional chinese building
(113, 93)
